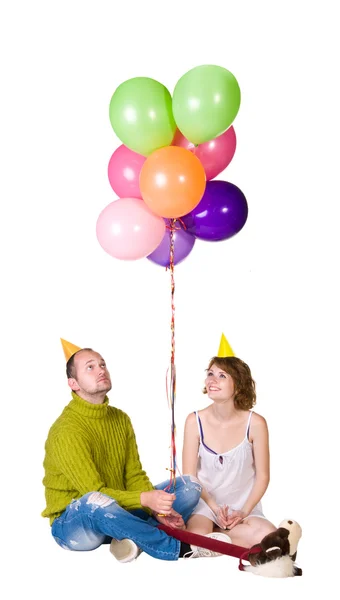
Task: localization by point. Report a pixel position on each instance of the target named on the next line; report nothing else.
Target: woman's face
(219, 384)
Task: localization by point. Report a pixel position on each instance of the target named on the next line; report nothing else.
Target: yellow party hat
(225, 349)
(69, 349)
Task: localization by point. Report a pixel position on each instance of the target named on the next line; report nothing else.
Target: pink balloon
(182, 142)
(128, 230)
(215, 155)
(123, 171)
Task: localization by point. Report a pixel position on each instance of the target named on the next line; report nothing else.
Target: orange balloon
(172, 181)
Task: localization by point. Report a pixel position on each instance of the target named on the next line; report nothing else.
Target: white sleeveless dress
(228, 477)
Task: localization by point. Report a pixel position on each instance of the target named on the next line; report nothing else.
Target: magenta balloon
(214, 155)
(217, 154)
(123, 171)
(182, 142)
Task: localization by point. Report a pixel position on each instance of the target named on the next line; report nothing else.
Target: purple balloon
(183, 244)
(220, 214)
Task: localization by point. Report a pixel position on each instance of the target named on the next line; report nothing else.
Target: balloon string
(172, 393)
(172, 226)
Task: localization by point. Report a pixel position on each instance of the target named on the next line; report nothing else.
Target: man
(96, 490)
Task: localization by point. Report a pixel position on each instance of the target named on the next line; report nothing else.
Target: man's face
(91, 375)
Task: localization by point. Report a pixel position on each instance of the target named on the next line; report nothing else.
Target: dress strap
(248, 424)
(199, 426)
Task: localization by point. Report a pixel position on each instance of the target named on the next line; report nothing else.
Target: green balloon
(205, 102)
(141, 115)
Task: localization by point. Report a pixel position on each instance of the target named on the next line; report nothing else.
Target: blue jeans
(95, 519)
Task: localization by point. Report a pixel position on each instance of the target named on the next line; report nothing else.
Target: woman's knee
(258, 530)
(200, 524)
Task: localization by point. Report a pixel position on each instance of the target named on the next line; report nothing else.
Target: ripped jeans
(85, 525)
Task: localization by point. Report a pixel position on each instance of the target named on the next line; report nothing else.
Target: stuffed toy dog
(276, 554)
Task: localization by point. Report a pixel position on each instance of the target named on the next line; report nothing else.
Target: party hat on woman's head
(225, 348)
(69, 349)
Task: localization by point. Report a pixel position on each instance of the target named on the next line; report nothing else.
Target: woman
(226, 448)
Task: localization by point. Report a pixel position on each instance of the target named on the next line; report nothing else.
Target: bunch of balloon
(172, 148)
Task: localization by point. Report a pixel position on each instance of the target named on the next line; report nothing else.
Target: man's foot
(198, 552)
(124, 550)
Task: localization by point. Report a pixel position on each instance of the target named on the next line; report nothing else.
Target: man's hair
(245, 387)
(70, 366)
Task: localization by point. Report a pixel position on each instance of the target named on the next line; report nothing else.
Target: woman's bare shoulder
(258, 418)
(258, 421)
(201, 412)
(191, 418)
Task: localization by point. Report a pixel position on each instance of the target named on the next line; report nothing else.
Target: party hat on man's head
(225, 348)
(69, 349)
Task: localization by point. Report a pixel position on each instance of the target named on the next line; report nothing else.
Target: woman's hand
(221, 513)
(235, 517)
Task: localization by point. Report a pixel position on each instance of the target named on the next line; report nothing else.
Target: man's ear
(73, 384)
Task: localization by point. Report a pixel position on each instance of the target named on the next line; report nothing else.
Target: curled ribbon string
(172, 392)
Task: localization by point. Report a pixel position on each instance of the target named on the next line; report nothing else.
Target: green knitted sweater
(92, 447)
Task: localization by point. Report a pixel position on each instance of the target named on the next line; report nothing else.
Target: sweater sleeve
(135, 477)
(74, 458)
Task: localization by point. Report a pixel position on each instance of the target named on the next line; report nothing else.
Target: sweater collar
(86, 409)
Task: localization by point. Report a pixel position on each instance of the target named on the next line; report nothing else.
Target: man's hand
(173, 520)
(158, 500)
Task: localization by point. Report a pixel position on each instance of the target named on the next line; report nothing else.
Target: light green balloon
(205, 102)
(141, 115)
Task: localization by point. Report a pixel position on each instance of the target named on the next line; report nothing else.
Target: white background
(271, 289)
